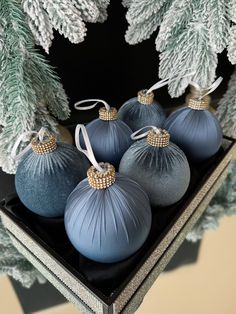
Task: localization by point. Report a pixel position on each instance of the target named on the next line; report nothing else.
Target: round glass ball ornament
(195, 129)
(159, 166)
(47, 174)
(109, 136)
(141, 111)
(108, 216)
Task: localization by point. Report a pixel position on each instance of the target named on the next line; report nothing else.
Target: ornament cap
(158, 139)
(145, 98)
(101, 180)
(108, 115)
(48, 145)
(199, 104)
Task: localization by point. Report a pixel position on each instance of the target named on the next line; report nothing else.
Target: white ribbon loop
(168, 80)
(25, 137)
(78, 104)
(137, 136)
(209, 89)
(88, 152)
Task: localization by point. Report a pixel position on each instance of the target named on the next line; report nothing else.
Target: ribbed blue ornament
(109, 137)
(159, 166)
(108, 224)
(196, 132)
(141, 111)
(45, 180)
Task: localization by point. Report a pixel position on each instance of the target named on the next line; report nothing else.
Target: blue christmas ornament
(158, 165)
(142, 110)
(109, 136)
(108, 216)
(195, 130)
(47, 174)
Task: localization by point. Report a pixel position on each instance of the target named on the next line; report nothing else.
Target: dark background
(105, 66)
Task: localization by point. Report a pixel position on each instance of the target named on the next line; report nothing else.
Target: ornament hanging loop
(39, 137)
(155, 136)
(78, 104)
(209, 89)
(166, 81)
(88, 152)
(137, 136)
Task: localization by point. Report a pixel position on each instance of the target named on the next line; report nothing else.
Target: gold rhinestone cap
(108, 115)
(101, 180)
(199, 104)
(161, 139)
(46, 146)
(144, 98)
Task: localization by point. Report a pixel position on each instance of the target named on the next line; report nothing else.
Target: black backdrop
(105, 66)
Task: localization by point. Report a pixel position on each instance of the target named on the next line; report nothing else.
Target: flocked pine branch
(14, 264)
(68, 17)
(226, 111)
(29, 87)
(191, 34)
(223, 204)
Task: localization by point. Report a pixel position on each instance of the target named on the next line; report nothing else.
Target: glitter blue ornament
(108, 216)
(158, 165)
(46, 175)
(194, 128)
(109, 136)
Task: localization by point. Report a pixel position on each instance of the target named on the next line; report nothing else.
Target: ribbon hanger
(137, 136)
(166, 81)
(209, 89)
(88, 152)
(97, 101)
(24, 137)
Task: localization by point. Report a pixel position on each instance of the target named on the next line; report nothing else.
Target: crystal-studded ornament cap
(108, 115)
(158, 139)
(101, 180)
(145, 98)
(48, 145)
(199, 104)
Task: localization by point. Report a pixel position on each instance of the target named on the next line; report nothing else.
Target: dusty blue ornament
(195, 130)
(159, 166)
(108, 216)
(109, 136)
(47, 174)
(141, 111)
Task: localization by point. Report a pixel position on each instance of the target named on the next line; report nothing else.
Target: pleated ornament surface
(108, 225)
(137, 115)
(109, 139)
(196, 132)
(163, 172)
(44, 182)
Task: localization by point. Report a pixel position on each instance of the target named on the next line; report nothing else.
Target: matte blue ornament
(109, 136)
(141, 111)
(108, 216)
(47, 174)
(159, 166)
(195, 130)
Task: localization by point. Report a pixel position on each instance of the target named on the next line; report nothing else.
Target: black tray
(109, 284)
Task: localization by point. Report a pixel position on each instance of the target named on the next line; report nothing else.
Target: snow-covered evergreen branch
(226, 111)
(68, 17)
(14, 264)
(190, 36)
(29, 87)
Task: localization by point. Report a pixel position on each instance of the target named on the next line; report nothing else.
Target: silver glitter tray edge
(131, 297)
